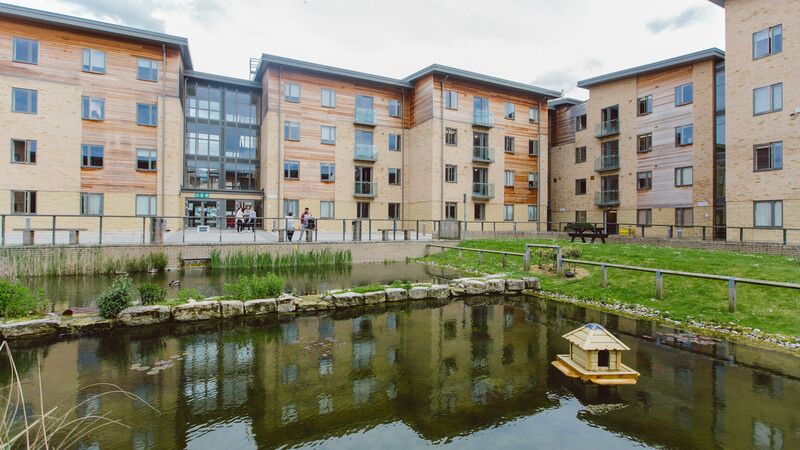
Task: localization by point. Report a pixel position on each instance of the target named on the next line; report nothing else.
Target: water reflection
(468, 374)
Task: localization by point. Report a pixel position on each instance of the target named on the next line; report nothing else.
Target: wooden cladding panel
(422, 101)
(564, 126)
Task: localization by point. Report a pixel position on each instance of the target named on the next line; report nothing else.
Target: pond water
(466, 374)
(70, 291)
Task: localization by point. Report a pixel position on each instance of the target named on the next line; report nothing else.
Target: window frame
(580, 123)
(582, 152)
(326, 169)
(332, 97)
(288, 125)
(680, 100)
(533, 180)
(86, 108)
(479, 212)
(533, 147)
(448, 169)
(85, 200)
(451, 132)
(288, 87)
(506, 147)
(509, 111)
(398, 112)
(288, 168)
(508, 207)
(454, 206)
(151, 158)
(648, 217)
(33, 50)
(331, 129)
(648, 176)
(773, 210)
(29, 198)
(152, 69)
(397, 212)
(332, 209)
(31, 100)
(87, 155)
(772, 108)
(90, 67)
(679, 134)
(152, 205)
(681, 212)
(682, 170)
(770, 41)
(361, 207)
(578, 184)
(648, 139)
(648, 102)
(396, 173)
(152, 113)
(396, 138)
(28, 143)
(581, 216)
(535, 216)
(451, 99)
(534, 115)
(506, 179)
(771, 148)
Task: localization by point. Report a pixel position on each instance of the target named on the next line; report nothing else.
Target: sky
(548, 43)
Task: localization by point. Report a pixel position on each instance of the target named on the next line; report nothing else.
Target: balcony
(365, 189)
(482, 155)
(483, 190)
(606, 198)
(365, 152)
(606, 163)
(483, 119)
(608, 128)
(365, 116)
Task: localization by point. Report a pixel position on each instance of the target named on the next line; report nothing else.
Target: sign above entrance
(201, 195)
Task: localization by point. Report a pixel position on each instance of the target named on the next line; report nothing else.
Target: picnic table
(586, 230)
(29, 234)
(385, 233)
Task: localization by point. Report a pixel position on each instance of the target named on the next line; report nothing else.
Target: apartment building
(642, 149)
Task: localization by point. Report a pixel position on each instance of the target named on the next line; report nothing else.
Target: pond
(465, 374)
(81, 291)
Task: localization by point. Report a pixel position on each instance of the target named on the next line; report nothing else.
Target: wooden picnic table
(584, 231)
(29, 234)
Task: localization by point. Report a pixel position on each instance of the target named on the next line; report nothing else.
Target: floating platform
(624, 375)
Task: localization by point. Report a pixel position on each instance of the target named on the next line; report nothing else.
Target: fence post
(144, 225)
(54, 230)
(504, 260)
(417, 229)
(741, 234)
(369, 224)
(785, 236)
(427, 249)
(394, 230)
(659, 285)
(526, 260)
(459, 253)
(604, 276)
(559, 261)
(669, 231)
(731, 295)
(344, 231)
(642, 230)
(3, 231)
(480, 257)
(704, 232)
(100, 235)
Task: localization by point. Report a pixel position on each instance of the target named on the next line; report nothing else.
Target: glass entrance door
(202, 212)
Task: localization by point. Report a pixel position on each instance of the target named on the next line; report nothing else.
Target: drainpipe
(280, 145)
(403, 159)
(163, 120)
(539, 166)
(441, 152)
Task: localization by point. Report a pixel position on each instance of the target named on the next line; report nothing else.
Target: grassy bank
(771, 310)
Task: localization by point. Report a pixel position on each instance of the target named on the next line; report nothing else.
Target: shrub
(151, 294)
(116, 298)
(158, 260)
(17, 300)
(254, 287)
(186, 294)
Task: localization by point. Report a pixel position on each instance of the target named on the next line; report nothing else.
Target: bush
(186, 294)
(17, 300)
(116, 298)
(254, 287)
(158, 261)
(151, 294)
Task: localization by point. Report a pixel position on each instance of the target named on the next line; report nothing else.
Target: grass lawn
(773, 310)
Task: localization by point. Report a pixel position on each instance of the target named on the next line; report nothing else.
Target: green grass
(773, 310)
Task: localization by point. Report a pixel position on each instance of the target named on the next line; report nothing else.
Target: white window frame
(508, 182)
(148, 202)
(327, 209)
(328, 130)
(86, 204)
(451, 99)
(92, 57)
(533, 115)
(681, 176)
(451, 132)
(30, 151)
(289, 92)
(89, 105)
(331, 98)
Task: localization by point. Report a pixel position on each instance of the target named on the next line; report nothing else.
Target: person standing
(289, 226)
(251, 218)
(304, 224)
(239, 219)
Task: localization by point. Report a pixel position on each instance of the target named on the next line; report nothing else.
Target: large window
(94, 61)
(23, 202)
(93, 108)
(291, 170)
(23, 151)
(292, 92)
(508, 213)
(768, 42)
(768, 156)
(580, 186)
(684, 94)
(510, 111)
(394, 108)
(644, 217)
(394, 176)
(328, 98)
(146, 159)
(291, 131)
(91, 204)
(92, 155)
(451, 99)
(25, 50)
(24, 100)
(327, 209)
(451, 173)
(684, 217)
(645, 142)
(240, 107)
(203, 102)
(147, 69)
(644, 180)
(768, 214)
(327, 172)
(580, 155)
(450, 210)
(450, 136)
(768, 99)
(394, 142)
(145, 205)
(684, 135)
(394, 210)
(327, 134)
(683, 176)
(147, 114)
(645, 105)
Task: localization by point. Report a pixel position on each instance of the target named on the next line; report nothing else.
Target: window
(328, 98)
(645, 142)
(394, 210)
(580, 155)
(768, 156)
(479, 211)
(509, 144)
(644, 217)
(291, 92)
(645, 105)
(580, 186)
(450, 210)
(533, 180)
(768, 214)
(683, 176)
(92, 155)
(451, 99)
(533, 213)
(394, 142)
(145, 205)
(508, 212)
(147, 69)
(580, 216)
(362, 210)
(768, 99)
(450, 136)
(644, 180)
(684, 94)
(533, 115)
(327, 134)
(580, 122)
(509, 178)
(147, 114)
(450, 173)
(23, 202)
(767, 42)
(684, 135)
(291, 131)
(204, 103)
(394, 108)
(91, 204)
(94, 61)
(510, 110)
(145, 159)
(23, 151)
(93, 108)
(25, 50)
(291, 206)
(684, 217)
(533, 147)
(394, 176)
(327, 209)
(24, 100)
(327, 172)
(291, 170)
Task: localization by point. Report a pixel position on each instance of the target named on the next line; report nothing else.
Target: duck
(175, 283)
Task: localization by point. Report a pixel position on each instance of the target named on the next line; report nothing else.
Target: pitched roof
(479, 77)
(594, 336)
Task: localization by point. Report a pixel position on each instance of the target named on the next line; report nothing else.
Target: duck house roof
(594, 336)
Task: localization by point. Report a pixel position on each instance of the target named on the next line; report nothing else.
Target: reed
(247, 260)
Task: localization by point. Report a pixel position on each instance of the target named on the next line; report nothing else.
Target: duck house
(595, 355)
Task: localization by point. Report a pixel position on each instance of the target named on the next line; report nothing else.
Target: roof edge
(267, 59)
(222, 79)
(479, 77)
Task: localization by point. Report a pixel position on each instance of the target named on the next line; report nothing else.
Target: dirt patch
(580, 272)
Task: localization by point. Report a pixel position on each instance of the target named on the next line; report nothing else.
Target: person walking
(304, 224)
(239, 219)
(289, 226)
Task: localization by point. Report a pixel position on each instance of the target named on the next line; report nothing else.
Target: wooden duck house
(595, 355)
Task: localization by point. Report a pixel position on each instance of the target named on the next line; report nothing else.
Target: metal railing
(365, 152)
(483, 118)
(365, 116)
(607, 128)
(483, 190)
(605, 163)
(365, 189)
(482, 154)
(606, 198)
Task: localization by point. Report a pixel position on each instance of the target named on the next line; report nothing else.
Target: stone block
(396, 294)
(144, 315)
(495, 285)
(231, 308)
(348, 299)
(473, 287)
(532, 283)
(205, 310)
(439, 291)
(373, 298)
(30, 328)
(513, 285)
(287, 303)
(260, 306)
(418, 292)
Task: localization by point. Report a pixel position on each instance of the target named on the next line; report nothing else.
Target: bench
(584, 231)
(29, 234)
(385, 233)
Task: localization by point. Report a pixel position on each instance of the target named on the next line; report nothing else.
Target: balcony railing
(482, 118)
(608, 128)
(482, 154)
(365, 189)
(606, 198)
(365, 152)
(605, 163)
(483, 190)
(365, 116)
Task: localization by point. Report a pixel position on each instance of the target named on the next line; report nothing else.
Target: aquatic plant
(116, 298)
(17, 300)
(364, 289)
(244, 259)
(186, 294)
(400, 284)
(151, 294)
(254, 287)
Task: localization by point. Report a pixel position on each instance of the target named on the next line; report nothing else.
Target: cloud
(683, 19)
(148, 14)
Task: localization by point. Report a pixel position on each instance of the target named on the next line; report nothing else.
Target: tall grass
(246, 260)
(75, 261)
